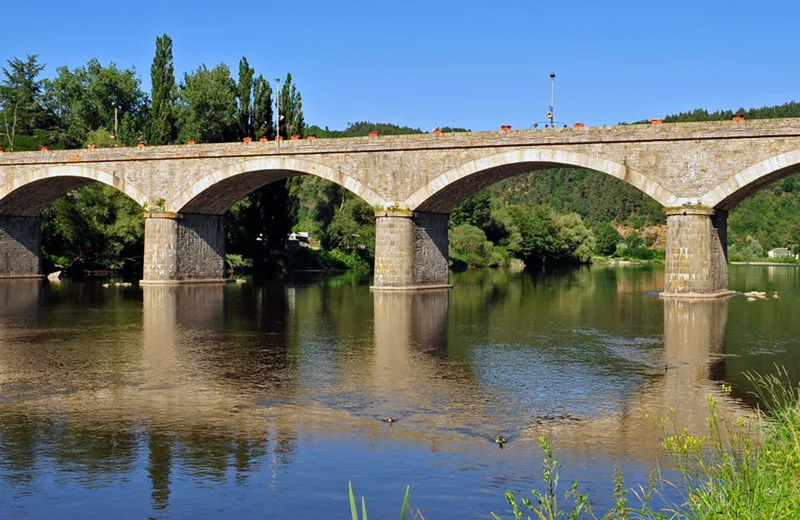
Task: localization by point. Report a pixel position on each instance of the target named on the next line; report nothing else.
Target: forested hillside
(562, 215)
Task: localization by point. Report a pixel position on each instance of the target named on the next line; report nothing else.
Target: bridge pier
(183, 248)
(20, 247)
(696, 261)
(411, 251)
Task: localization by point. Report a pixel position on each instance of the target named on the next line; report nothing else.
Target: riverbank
(790, 264)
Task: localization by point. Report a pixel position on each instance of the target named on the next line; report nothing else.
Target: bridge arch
(31, 193)
(217, 192)
(445, 192)
(741, 185)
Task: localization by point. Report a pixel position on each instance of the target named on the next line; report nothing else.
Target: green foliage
(291, 120)
(207, 110)
(475, 211)
(307, 259)
(468, 245)
(352, 229)
(547, 239)
(404, 509)
(164, 94)
(606, 238)
(262, 107)
(362, 129)
(595, 196)
(96, 227)
(84, 99)
(244, 94)
(238, 264)
(21, 99)
(578, 242)
(100, 138)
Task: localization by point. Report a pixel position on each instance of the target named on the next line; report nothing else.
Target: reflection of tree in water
(159, 468)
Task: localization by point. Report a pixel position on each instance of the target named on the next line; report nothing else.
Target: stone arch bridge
(698, 171)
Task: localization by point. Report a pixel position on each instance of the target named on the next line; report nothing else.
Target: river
(246, 401)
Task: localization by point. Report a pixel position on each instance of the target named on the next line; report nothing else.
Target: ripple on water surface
(246, 401)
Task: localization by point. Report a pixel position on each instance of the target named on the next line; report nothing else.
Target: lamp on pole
(116, 108)
(277, 108)
(551, 115)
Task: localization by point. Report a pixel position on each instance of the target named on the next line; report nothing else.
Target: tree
(537, 226)
(468, 244)
(352, 228)
(262, 107)
(244, 94)
(21, 98)
(291, 120)
(84, 100)
(606, 238)
(577, 240)
(94, 227)
(164, 94)
(475, 211)
(208, 109)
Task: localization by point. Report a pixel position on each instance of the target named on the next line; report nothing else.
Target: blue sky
(459, 63)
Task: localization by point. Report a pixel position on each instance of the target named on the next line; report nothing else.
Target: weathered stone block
(20, 247)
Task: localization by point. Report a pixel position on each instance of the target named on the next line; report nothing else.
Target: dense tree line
(559, 215)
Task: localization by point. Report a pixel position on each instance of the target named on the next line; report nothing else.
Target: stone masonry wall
(20, 247)
(411, 250)
(708, 163)
(696, 253)
(431, 244)
(394, 251)
(160, 241)
(183, 247)
(201, 247)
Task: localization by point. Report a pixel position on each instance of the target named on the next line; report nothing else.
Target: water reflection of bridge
(219, 378)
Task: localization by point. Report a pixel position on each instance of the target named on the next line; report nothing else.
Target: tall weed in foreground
(733, 477)
(354, 508)
(547, 505)
(724, 474)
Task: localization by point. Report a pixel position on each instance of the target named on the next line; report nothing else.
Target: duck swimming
(389, 420)
(500, 440)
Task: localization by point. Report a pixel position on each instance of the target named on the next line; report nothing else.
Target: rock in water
(54, 277)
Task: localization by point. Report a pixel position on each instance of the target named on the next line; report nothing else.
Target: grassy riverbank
(724, 473)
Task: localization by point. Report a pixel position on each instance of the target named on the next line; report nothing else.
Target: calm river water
(263, 402)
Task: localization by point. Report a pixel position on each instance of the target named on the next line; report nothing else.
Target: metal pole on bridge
(552, 97)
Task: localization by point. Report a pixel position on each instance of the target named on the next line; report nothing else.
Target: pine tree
(244, 94)
(162, 75)
(20, 98)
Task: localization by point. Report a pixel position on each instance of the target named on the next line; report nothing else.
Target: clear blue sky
(476, 64)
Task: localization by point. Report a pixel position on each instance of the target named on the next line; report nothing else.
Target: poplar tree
(291, 108)
(162, 76)
(244, 94)
(262, 106)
